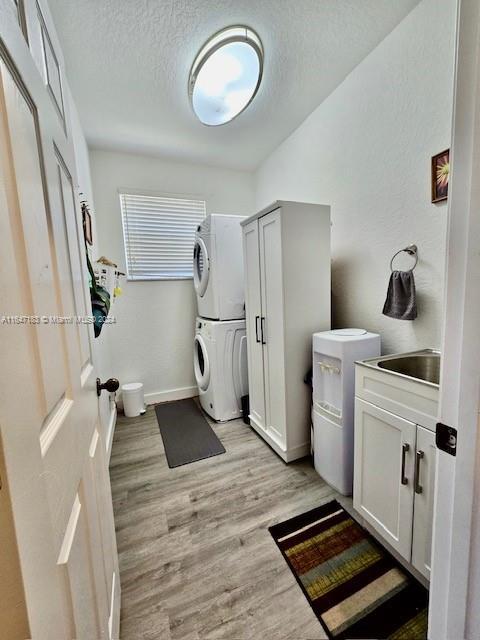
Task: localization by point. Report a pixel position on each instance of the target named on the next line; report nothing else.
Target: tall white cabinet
(287, 297)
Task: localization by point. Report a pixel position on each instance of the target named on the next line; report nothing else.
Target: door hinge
(446, 438)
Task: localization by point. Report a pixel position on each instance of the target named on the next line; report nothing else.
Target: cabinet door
(270, 232)
(425, 457)
(383, 481)
(253, 307)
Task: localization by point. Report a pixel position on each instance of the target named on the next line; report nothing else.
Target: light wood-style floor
(196, 559)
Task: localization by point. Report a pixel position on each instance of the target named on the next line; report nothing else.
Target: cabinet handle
(257, 318)
(262, 324)
(418, 458)
(405, 450)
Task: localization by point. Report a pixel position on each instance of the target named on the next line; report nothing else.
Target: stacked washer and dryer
(220, 347)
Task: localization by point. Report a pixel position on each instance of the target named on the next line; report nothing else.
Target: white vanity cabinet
(395, 457)
(287, 299)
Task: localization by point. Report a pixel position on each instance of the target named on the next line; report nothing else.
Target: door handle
(262, 325)
(111, 385)
(418, 458)
(257, 318)
(405, 450)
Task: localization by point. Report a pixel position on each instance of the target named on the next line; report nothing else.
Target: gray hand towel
(401, 302)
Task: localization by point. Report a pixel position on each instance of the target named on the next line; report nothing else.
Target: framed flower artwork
(440, 175)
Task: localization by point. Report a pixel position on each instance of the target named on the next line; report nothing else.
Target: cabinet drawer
(415, 401)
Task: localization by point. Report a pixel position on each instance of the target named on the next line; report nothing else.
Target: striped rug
(355, 587)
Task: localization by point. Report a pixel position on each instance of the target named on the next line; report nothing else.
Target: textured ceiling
(128, 63)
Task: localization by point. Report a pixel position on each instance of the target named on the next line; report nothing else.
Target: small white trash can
(133, 402)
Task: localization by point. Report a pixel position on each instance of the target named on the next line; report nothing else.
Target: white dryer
(218, 268)
(220, 365)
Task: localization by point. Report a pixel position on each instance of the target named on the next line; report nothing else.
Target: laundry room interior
(250, 221)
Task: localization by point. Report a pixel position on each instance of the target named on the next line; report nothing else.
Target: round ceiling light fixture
(226, 75)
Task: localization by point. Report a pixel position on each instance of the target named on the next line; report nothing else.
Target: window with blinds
(159, 234)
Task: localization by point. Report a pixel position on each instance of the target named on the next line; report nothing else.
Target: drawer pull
(418, 458)
(405, 450)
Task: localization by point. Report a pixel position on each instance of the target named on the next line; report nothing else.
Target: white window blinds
(159, 234)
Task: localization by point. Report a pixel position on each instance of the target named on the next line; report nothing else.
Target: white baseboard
(170, 395)
(111, 430)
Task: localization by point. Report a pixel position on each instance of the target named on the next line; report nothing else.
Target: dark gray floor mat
(186, 435)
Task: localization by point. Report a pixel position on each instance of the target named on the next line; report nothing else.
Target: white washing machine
(220, 365)
(218, 268)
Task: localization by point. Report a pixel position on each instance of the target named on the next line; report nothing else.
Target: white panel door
(383, 484)
(425, 461)
(253, 308)
(57, 474)
(272, 324)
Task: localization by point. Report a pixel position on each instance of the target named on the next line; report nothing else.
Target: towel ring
(412, 250)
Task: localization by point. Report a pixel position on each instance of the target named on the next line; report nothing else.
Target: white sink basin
(406, 384)
(420, 365)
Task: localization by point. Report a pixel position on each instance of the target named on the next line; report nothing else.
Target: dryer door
(201, 364)
(201, 267)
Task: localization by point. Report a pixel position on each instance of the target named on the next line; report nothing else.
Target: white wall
(366, 151)
(152, 340)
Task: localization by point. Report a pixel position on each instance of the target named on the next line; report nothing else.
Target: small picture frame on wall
(87, 224)
(440, 176)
